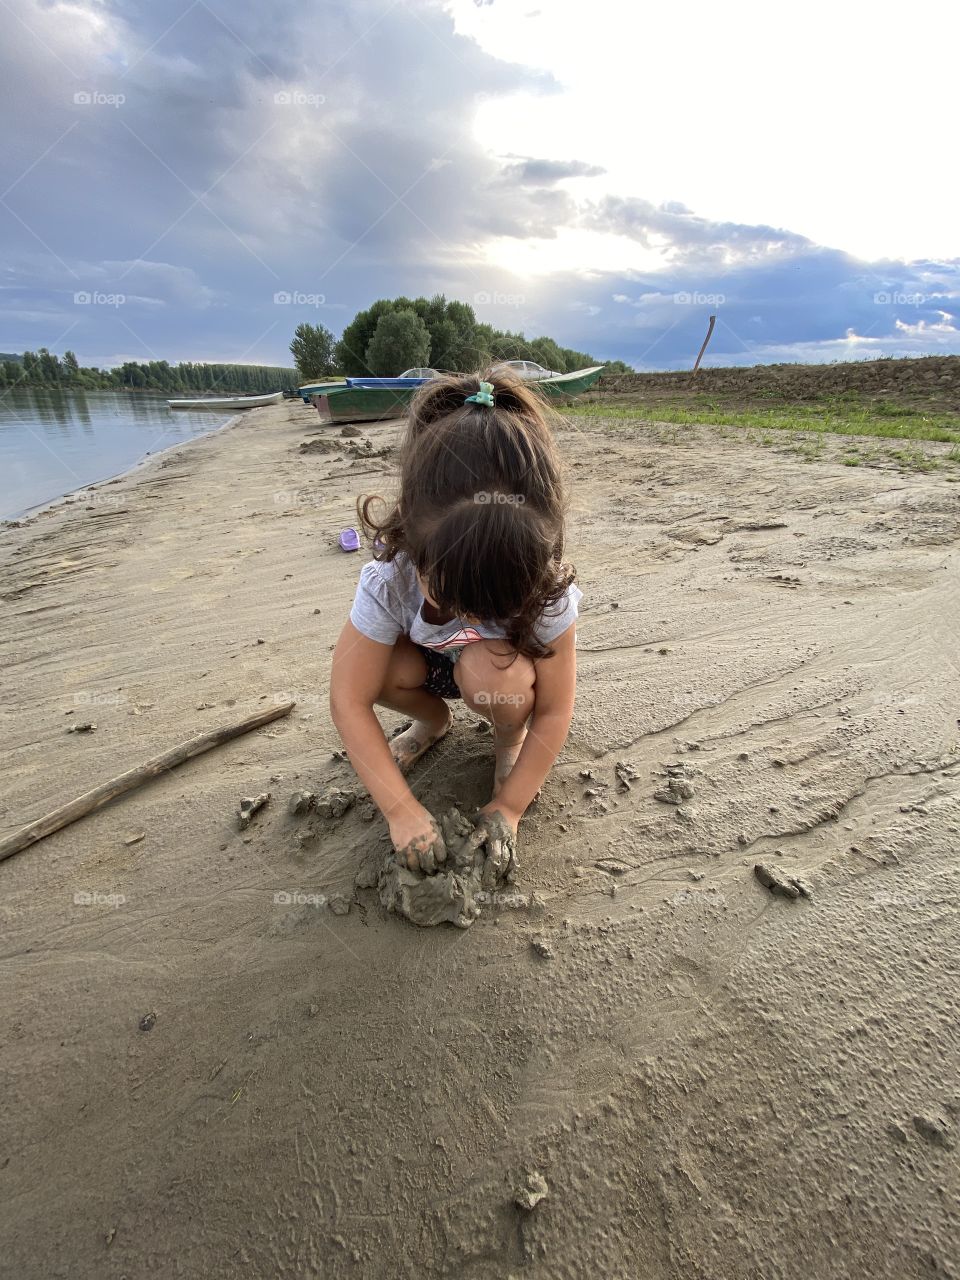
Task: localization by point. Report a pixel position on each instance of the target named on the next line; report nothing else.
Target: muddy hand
(496, 835)
(419, 845)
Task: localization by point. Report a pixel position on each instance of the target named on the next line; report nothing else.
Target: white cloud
(816, 118)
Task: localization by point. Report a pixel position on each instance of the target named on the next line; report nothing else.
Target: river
(53, 442)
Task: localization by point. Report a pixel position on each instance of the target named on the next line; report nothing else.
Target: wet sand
(222, 1057)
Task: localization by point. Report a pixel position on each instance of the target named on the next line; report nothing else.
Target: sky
(189, 180)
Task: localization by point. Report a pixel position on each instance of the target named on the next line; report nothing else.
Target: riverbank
(212, 1071)
(100, 492)
(54, 443)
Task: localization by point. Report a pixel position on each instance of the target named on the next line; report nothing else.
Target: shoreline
(21, 518)
(200, 1012)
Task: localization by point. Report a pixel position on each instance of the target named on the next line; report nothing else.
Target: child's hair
(481, 504)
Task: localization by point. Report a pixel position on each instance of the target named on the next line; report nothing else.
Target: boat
(526, 370)
(378, 399)
(409, 378)
(310, 389)
(228, 402)
(570, 384)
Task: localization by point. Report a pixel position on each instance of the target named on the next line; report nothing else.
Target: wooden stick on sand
(107, 791)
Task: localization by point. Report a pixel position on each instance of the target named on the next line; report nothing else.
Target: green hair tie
(483, 396)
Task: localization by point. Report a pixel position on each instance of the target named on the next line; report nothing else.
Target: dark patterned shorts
(439, 674)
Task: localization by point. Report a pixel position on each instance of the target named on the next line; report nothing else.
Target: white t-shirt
(388, 604)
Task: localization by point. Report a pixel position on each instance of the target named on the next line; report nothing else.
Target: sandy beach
(209, 1071)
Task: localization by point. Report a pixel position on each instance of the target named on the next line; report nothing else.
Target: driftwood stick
(108, 791)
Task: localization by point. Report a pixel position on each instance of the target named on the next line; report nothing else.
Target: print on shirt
(466, 635)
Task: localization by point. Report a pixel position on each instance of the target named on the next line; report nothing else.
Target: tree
(400, 340)
(547, 353)
(351, 350)
(312, 349)
(49, 366)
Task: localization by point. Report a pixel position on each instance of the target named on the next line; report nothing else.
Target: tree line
(404, 333)
(382, 340)
(44, 369)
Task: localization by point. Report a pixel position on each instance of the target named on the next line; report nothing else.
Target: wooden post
(713, 321)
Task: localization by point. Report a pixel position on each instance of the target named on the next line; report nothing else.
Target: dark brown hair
(481, 505)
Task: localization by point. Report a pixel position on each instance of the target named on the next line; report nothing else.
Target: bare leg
(402, 691)
(503, 692)
(506, 744)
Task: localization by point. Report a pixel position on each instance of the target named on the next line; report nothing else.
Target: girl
(467, 596)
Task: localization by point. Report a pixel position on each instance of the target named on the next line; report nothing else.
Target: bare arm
(555, 690)
(359, 668)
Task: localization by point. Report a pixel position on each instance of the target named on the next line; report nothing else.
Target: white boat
(526, 370)
(228, 402)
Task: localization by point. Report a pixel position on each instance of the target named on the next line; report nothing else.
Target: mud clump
(335, 802)
(454, 895)
(301, 802)
(678, 786)
(250, 805)
(780, 882)
(533, 1190)
(318, 445)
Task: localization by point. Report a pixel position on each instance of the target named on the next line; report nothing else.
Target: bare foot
(507, 748)
(409, 746)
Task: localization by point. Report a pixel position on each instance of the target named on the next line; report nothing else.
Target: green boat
(377, 399)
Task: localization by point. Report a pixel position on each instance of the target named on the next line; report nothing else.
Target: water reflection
(52, 442)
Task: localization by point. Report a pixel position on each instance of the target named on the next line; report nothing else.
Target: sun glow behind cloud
(815, 120)
(571, 250)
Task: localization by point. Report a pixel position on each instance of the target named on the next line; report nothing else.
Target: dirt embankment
(929, 380)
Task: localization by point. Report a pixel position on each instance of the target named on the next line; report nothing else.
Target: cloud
(814, 304)
(682, 236)
(544, 172)
(331, 150)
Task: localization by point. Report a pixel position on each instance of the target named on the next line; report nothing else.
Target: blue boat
(389, 384)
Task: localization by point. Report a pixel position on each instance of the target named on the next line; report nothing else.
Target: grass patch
(834, 415)
(915, 459)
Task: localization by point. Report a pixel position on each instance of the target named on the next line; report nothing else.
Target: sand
(223, 1057)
